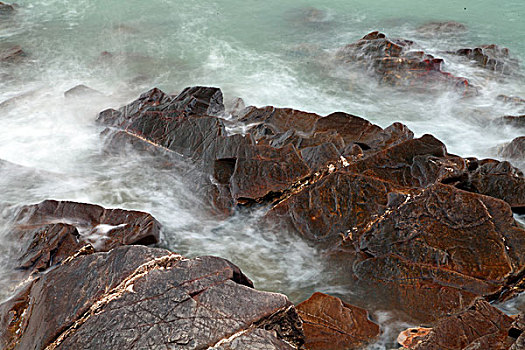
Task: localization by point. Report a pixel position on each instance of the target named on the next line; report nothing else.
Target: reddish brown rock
(82, 91)
(396, 62)
(330, 323)
(452, 244)
(412, 336)
(481, 326)
(136, 297)
(497, 179)
(51, 231)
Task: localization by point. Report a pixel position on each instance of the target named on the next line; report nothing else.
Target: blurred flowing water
(267, 52)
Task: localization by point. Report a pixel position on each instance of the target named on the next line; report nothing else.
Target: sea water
(270, 52)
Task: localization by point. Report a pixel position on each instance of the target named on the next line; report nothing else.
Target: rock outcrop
(400, 62)
(491, 57)
(137, 297)
(329, 323)
(411, 212)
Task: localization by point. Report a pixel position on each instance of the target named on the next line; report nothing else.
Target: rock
(481, 326)
(52, 231)
(137, 297)
(397, 63)
(407, 215)
(6, 9)
(517, 331)
(516, 121)
(515, 100)
(492, 57)
(11, 54)
(412, 336)
(432, 29)
(329, 323)
(497, 179)
(515, 149)
(454, 245)
(82, 91)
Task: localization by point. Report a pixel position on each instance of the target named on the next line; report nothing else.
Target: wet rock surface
(137, 297)
(329, 323)
(481, 326)
(409, 211)
(491, 57)
(52, 231)
(400, 62)
(515, 149)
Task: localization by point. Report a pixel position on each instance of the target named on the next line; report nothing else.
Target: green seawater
(268, 53)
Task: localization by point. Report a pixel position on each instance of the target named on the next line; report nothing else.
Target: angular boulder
(329, 323)
(481, 326)
(52, 231)
(137, 297)
(491, 57)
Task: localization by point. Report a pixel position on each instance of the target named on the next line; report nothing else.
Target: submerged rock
(82, 91)
(329, 323)
(399, 62)
(11, 54)
(6, 9)
(515, 149)
(492, 57)
(136, 297)
(432, 29)
(514, 120)
(52, 231)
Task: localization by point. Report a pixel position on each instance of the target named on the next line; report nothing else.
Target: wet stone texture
(411, 213)
(52, 231)
(137, 297)
(329, 323)
(481, 326)
(491, 57)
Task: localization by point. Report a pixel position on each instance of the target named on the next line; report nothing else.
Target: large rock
(136, 297)
(329, 323)
(442, 247)
(481, 326)
(397, 62)
(411, 212)
(51, 231)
